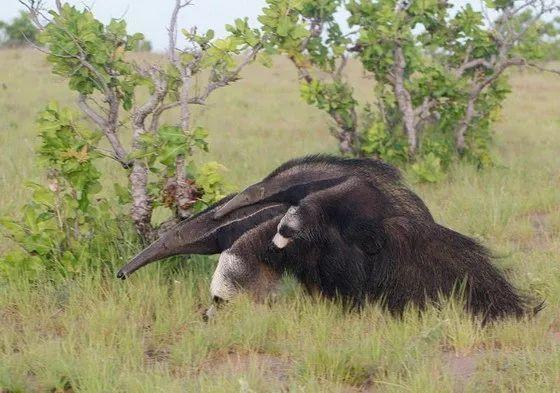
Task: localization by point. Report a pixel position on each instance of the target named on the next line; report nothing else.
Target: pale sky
(151, 17)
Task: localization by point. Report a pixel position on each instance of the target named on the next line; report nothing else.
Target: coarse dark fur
(366, 239)
(298, 178)
(406, 263)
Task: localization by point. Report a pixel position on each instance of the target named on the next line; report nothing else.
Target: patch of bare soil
(274, 368)
(540, 224)
(555, 337)
(541, 234)
(462, 368)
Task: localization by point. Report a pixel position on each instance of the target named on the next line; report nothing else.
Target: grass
(96, 334)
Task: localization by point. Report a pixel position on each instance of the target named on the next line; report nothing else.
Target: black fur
(376, 240)
(377, 167)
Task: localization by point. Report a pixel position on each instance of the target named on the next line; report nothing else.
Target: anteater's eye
(218, 300)
(286, 231)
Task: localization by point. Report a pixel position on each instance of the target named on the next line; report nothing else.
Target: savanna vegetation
(20, 31)
(78, 329)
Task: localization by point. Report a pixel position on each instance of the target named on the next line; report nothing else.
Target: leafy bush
(95, 60)
(69, 225)
(66, 227)
(377, 141)
(438, 74)
(20, 31)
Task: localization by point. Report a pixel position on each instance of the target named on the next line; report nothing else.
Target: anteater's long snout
(203, 234)
(153, 252)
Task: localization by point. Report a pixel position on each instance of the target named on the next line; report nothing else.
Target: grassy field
(96, 334)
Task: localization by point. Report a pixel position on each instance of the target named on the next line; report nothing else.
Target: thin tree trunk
(464, 124)
(141, 211)
(404, 100)
(185, 195)
(142, 208)
(346, 135)
(347, 142)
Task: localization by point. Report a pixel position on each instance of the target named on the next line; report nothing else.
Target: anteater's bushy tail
(426, 261)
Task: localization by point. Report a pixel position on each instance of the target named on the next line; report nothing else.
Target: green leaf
(284, 26)
(123, 194)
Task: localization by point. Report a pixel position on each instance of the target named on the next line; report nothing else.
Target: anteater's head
(251, 265)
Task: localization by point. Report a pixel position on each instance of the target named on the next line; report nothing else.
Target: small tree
(20, 31)
(95, 60)
(66, 227)
(307, 33)
(439, 75)
(143, 46)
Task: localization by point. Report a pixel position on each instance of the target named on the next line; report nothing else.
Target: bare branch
(505, 21)
(155, 99)
(172, 30)
(108, 125)
(473, 64)
(474, 95)
(423, 112)
(303, 72)
(34, 10)
(41, 49)
(106, 153)
(154, 124)
(343, 62)
(542, 10)
(507, 37)
(498, 70)
(225, 80)
(544, 69)
(90, 112)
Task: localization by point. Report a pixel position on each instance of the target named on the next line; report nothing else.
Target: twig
(33, 9)
(109, 129)
(234, 75)
(544, 69)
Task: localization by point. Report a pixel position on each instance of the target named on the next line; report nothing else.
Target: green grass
(96, 334)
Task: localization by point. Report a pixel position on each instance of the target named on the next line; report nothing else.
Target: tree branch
(225, 80)
(422, 112)
(160, 83)
(506, 38)
(473, 64)
(544, 69)
(108, 126)
(34, 11)
(91, 113)
(172, 30)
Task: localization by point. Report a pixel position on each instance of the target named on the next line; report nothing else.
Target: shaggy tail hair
(423, 261)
